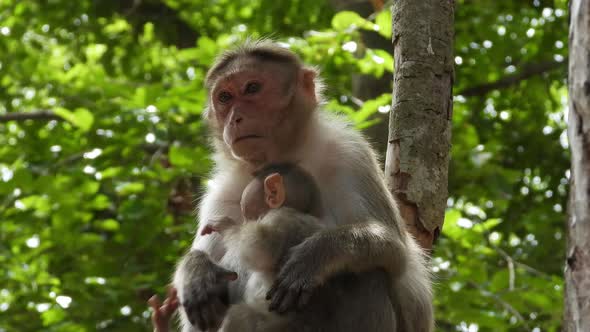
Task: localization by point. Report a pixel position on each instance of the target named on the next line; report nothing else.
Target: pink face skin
(254, 105)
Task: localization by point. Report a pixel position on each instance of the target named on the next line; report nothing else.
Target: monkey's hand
(162, 312)
(205, 295)
(219, 225)
(295, 282)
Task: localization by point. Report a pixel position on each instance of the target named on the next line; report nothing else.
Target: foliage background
(97, 192)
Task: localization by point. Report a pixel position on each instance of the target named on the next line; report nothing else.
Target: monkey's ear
(274, 190)
(308, 79)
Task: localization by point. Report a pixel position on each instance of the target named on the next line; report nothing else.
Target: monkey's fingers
(172, 293)
(218, 309)
(160, 323)
(271, 291)
(224, 274)
(210, 315)
(304, 298)
(192, 306)
(159, 320)
(200, 321)
(173, 304)
(170, 298)
(276, 295)
(207, 316)
(290, 300)
(169, 307)
(208, 229)
(154, 302)
(231, 276)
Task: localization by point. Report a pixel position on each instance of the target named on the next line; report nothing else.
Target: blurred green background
(103, 151)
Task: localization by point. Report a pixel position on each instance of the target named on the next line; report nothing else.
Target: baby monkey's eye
(252, 87)
(224, 97)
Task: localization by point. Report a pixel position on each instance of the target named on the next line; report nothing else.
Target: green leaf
(451, 229)
(383, 21)
(109, 225)
(128, 188)
(100, 202)
(95, 52)
(385, 59)
(371, 107)
(53, 316)
(111, 172)
(81, 117)
(344, 20)
(487, 225)
(89, 187)
(148, 33)
(119, 26)
(335, 106)
(188, 158)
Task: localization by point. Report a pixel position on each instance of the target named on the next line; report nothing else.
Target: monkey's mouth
(246, 137)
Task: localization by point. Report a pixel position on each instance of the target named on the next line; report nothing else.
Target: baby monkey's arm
(263, 245)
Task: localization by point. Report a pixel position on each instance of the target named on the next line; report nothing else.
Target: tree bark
(22, 116)
(577, 272)
(420, 122)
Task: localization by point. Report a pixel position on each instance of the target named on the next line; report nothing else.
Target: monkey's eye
(252, 87)
(224, 97)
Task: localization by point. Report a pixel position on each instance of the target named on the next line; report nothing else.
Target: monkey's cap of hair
(264, 50)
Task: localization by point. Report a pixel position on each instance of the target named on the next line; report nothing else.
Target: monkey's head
(260, 99)
(280, 185)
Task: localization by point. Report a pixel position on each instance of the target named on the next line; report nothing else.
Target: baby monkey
(280, 207)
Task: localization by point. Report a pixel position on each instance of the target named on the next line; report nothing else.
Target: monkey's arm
(353, 248)
(205, 289)
(367, 234)
(200, 289)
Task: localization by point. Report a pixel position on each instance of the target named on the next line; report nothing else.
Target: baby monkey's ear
(274, 190)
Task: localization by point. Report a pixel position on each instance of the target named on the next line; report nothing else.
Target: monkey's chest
(256, 287)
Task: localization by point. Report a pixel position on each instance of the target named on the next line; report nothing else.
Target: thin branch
(510, 262)
(513, 262)
(22, 116)
(134, 6)
(507, 306)
(526, 72)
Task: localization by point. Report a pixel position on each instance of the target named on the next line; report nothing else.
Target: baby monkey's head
(279, 185)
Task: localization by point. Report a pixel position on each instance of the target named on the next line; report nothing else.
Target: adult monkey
(263, 108)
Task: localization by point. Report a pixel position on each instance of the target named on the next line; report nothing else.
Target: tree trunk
(420, 122)
(577, 273)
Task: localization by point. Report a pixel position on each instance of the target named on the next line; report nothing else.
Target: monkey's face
(253, 203)
(259, 109)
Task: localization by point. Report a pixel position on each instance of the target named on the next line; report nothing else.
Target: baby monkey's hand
(219, 225)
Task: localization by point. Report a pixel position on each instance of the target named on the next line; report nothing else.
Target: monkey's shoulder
(291, 216)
